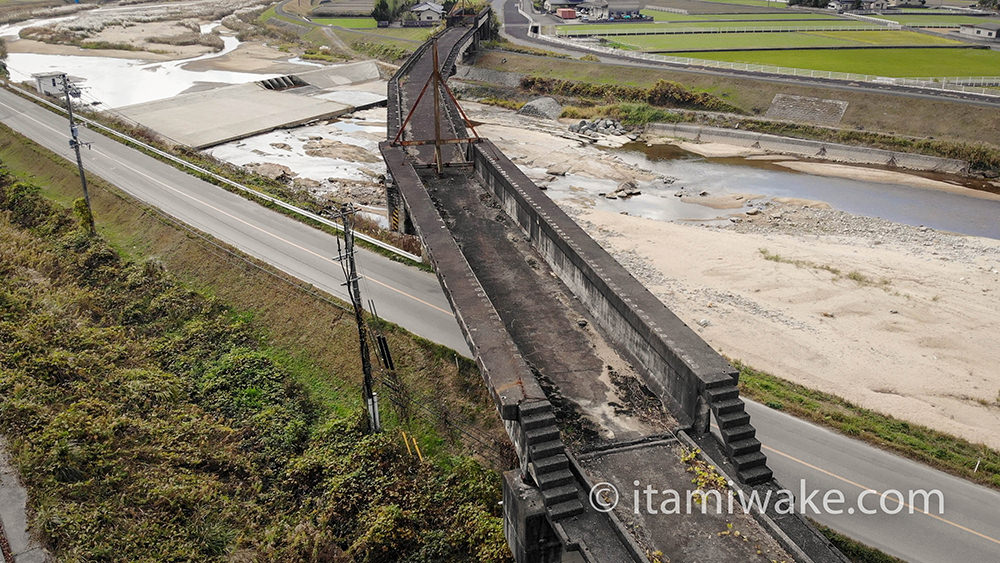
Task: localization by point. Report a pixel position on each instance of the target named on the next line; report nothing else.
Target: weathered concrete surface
(807, 148)
(211, 117)
(13, 514)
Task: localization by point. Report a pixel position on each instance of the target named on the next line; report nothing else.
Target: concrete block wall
(808, 148)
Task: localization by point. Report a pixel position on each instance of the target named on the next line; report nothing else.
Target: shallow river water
(939, 209)
(113, 82)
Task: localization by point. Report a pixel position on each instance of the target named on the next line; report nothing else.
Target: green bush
(664, 93)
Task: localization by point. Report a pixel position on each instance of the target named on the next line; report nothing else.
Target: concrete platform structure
(596, 381)
(210, 117)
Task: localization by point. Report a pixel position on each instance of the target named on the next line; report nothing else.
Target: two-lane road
(404, 295)
(969, 530)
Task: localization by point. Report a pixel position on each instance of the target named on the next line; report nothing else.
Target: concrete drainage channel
(16, 544)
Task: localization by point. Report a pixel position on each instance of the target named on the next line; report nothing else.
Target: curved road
(969, 530)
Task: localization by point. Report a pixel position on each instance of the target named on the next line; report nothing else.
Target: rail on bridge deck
(531, 327)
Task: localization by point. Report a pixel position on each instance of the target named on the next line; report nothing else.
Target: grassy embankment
(872, 119)
(151, 420)
(937, 449)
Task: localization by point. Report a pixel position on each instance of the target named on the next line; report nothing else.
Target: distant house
(553, 5)
(594, 9)
(981, 30)
(618, 10)
(874, 4)
(49, 83)
(427, 11)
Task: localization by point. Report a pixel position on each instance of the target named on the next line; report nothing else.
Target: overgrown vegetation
(856, 551)
(381, 51)
(627, 113)
(662, 94)
(501, 102)
(948, 453)
(504, 45)
(151, 422)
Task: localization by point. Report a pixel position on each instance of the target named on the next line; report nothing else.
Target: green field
(709, 41)
(762, 3)
(779, 24)
(878, 62)
(918, 20)
(350, 23)
(669, 17)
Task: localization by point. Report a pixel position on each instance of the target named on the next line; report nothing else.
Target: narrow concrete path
(14, 515)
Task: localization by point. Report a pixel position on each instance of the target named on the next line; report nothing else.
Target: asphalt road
(969, 529)
(402, 294)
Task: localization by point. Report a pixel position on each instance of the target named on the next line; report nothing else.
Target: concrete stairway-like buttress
(738, 435)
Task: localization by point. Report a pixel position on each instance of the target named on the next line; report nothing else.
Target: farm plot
(878, 62)
(936, 20)
(760, 3)
(624, 29)
(671, 17)
(751, 41)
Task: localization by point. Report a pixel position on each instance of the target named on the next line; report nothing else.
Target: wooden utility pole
(74, 142)
(346, 260)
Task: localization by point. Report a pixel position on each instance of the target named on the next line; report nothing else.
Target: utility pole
(74, 142)
(346, 260)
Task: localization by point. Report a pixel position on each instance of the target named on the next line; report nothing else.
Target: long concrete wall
(676, 363)
(808, 148)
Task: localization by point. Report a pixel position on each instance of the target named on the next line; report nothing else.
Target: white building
(428, 11)
(49, 83)
(981, 30)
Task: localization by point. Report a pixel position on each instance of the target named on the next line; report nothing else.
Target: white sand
(933, 362)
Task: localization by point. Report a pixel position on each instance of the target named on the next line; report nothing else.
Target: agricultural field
(918, 20)
(760, 3)
(878, 62)
(671, 17)
(710, 25)
(349, 23)
(710, 41)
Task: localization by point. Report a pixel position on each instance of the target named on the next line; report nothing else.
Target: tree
(382, 11)
(3, 57)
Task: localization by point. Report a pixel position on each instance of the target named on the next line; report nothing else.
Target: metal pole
(75, 143)
(437, 112)
(371, 404)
